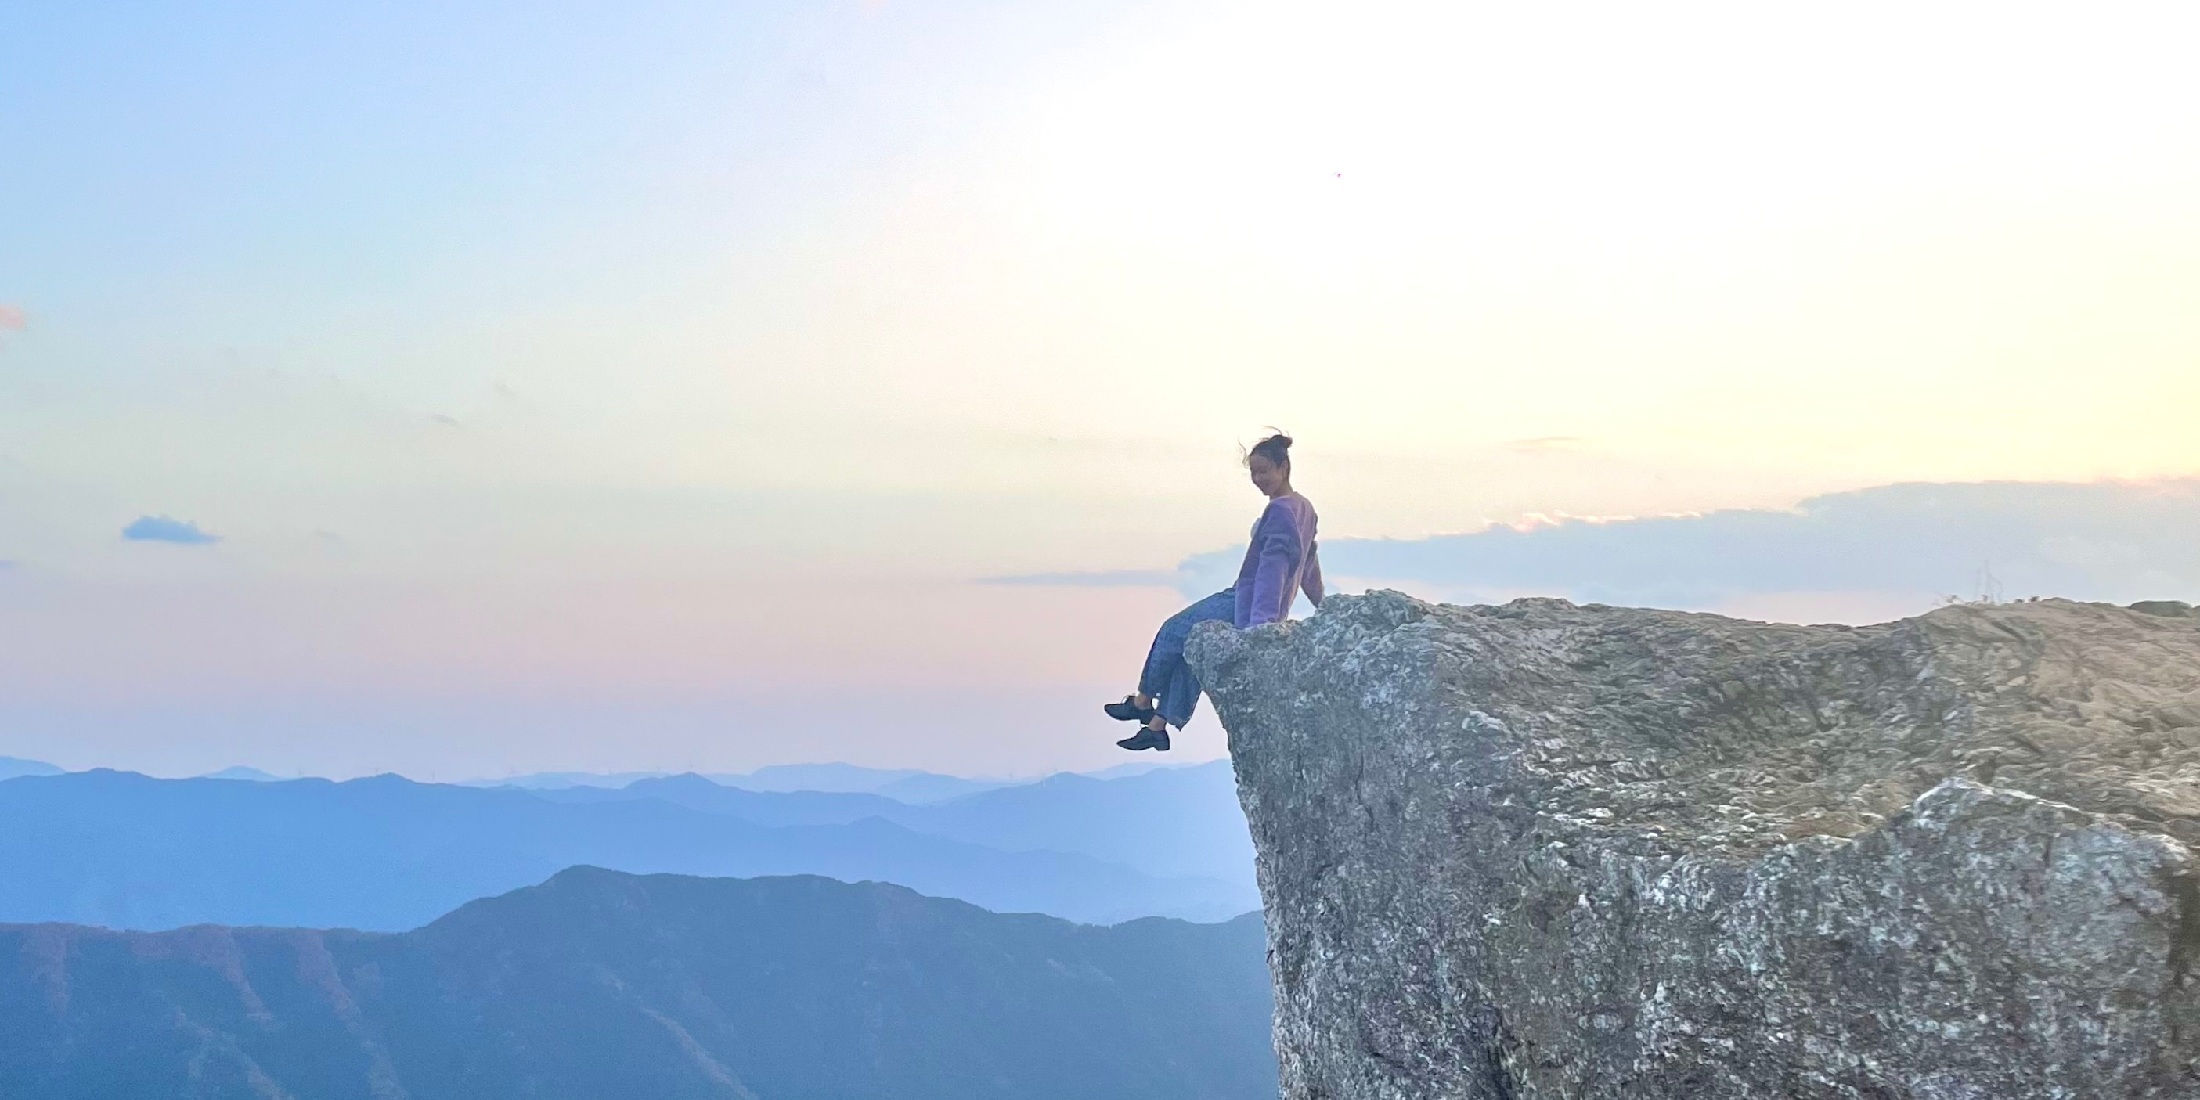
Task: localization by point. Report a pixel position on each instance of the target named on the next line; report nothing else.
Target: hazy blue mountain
(1169, 822)
(11, 767)
(762, 807)
(901, 784)
(240, 772)
(128, 851)
(599, 984)
(1135, 767)
(924, 788)
(560, 781)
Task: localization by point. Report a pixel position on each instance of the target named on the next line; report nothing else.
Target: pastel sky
(477, 387)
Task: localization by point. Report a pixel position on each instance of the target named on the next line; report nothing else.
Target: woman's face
(1268, 474)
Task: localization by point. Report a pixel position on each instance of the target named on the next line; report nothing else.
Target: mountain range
(11, 767)
(598, 984)
(900, 784)
(1179, 822)
(128, 851)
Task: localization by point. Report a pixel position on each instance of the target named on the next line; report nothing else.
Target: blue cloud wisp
(166, 529)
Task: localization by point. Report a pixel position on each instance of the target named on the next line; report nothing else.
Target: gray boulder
(1543, 850)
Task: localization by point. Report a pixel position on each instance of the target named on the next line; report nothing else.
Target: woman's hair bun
(1276, 448)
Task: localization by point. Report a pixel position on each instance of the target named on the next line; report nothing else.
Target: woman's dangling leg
(1165, 658)
(1177, 702)
(1166, 652)
(1167, 680)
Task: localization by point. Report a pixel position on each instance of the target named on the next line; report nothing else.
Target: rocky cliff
(1543, 850)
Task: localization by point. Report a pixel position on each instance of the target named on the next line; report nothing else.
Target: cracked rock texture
(1542, 850)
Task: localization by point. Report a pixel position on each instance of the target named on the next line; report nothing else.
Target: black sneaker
(1147, 739)
(1128, 711)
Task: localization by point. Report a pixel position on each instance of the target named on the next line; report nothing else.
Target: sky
(473, 388)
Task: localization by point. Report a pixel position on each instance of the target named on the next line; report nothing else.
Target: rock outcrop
(1542, 850)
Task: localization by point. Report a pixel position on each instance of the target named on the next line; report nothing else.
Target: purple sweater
(1280, 561)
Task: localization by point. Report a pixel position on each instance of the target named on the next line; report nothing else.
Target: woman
(1279, 563)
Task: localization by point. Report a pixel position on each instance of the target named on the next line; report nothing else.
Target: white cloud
(1867, 554)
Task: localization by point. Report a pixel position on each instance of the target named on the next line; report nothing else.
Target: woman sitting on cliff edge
(1280, 562)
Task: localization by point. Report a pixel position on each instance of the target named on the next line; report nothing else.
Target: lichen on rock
(1542, 850)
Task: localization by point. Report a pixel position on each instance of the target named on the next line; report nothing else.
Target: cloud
(12, 318)
(1884, 550)
(1111, 578)
(165, 529)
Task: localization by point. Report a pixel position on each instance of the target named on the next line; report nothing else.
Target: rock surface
(1542, 850)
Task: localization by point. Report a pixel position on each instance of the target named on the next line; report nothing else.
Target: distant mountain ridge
(774, 808)
(129, 851)
(1174, 822)
(11, 767)
(561, 781)
(902, 784)
(1168, 822)
(599, 984)
(247, 774)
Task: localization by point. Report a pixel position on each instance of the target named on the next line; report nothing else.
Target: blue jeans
(1167, 678)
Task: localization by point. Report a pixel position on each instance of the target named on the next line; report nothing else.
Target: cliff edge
(1542, 850)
